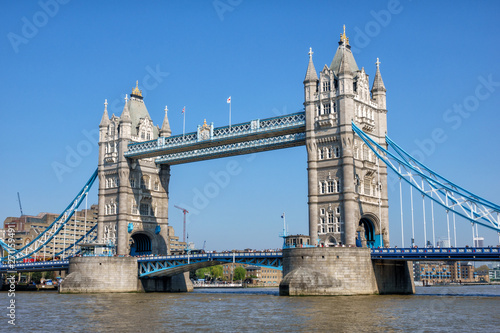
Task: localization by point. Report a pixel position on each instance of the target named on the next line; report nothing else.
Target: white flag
(229, 100)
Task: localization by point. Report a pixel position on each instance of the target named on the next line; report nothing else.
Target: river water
(431, 309)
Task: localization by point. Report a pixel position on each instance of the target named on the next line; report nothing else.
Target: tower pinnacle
(343, 38)
(165, 127)
(311, 71)
(378, 83)
(105, 117)
(136, 92)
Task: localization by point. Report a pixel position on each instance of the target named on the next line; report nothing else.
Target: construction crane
(185, 211)
(20, 207)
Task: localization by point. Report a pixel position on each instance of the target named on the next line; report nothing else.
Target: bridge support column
(177, 283)
(342, 271)
(101, 275)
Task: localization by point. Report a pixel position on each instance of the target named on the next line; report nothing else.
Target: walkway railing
(240, 133)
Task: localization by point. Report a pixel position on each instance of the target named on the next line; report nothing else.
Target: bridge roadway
(156, 266)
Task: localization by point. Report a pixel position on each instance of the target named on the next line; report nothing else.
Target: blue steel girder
(54, 228)
(36, 266)
(223, 136)
(162, 266)
(233, 149)
(433, 186)
(442, 254)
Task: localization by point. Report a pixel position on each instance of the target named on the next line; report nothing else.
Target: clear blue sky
(60, 63)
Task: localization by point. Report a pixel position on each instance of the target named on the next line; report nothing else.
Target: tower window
(144, 209)
(327, 108)
(330, 152)
(322, 211)
(337, 152)
(330, 187)
(326, 86)
(322, 187)
(321, 154)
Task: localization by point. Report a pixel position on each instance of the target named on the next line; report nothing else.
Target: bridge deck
(171, 265)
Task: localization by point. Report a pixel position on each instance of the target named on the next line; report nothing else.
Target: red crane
(184, 229)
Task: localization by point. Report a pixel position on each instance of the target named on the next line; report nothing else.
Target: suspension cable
(448, 220)
(401, 205)
(412, 220)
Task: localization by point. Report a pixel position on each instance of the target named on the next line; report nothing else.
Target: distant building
(28, 227)
(478, 241)
(443, 243)
(442, 272)
(176, 245)
(263, 276)
(494, 274)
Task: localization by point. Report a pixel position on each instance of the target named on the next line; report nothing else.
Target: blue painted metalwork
(55, 227)
(440, 190)
(444, 254)
(36, 266)
(170, 265)
(71, 250)
(239, 148)
(222, 136)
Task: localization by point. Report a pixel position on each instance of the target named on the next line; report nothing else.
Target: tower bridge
(344, 129)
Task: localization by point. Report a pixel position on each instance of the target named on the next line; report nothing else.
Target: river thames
(431, 309)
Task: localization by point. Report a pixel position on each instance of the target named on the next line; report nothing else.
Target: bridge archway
(331, 241)
(141, 244)
(370, 230)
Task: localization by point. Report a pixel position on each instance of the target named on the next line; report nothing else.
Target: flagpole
(184, 122)
(230, 113)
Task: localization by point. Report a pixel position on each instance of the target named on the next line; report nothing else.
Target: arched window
(337, 189)
(330, 152)
(337, 152)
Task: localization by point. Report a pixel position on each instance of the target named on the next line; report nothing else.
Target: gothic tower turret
(347, 192)
(133, 195)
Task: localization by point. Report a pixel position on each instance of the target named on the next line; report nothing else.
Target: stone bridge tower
(133, 194)
(347, 185)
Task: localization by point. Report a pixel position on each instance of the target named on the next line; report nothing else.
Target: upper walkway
(209, 142)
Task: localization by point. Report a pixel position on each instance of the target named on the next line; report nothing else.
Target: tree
(36, 276)
(483, 268)
(216, 271)
(200, 273)
(239, 273)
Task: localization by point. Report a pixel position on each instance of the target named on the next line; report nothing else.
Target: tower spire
(311, 71)
(125, 117)
(105, 117)
(343, 38)
(378, 83)
(136, 92)
(165, 127)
